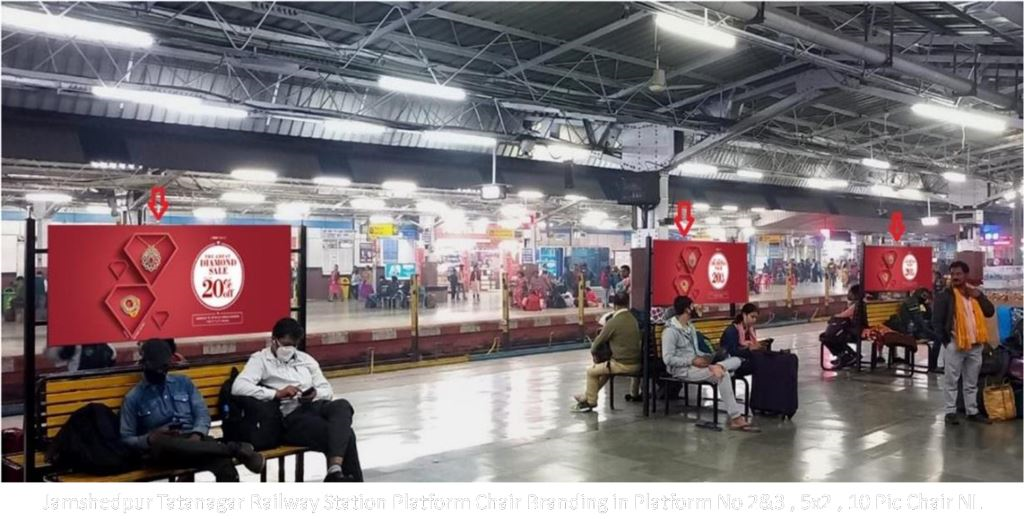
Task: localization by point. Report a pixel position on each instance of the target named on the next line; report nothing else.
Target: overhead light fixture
(254, 175)
(1009, 195)
(758, 210)
(826, 183)
(242, 197)
(146, 97)
(696, 168)
(46, 196)
(749, 173)
(431, 207)
(209, 213)
(332, 181)
(381, 218)
(459, 139)
(701, 206)
(954, 176)
(97, 209)
(529, 194)
(99, 164)
(713, 220)
(575, 198)
(421, 88)
(875, 163)
(968, 118)
(492, 192)
(695, 31)
(930, 221)
(368, 204)
(562, 152)
(730, 208)
(66, 27)
(171, 102)
(883, 190)
(399, 187)
(350, 126)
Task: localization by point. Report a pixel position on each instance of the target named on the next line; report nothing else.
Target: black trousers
(205, 453)
(839, 347)
(326, 427)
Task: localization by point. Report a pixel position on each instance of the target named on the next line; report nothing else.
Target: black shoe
(253, 460)
(952, 419)
(978, 418)
(631, 398)
(338, 477)
(851, 360)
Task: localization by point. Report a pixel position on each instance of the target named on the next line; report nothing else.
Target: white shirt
(264, 374)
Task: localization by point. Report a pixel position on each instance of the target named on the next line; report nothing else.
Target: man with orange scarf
(959, 320)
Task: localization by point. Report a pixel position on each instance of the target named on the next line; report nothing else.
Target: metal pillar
(414, 303)
(301, 289)
(29, 352)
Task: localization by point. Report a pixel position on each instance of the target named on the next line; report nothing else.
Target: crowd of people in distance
(537, 290)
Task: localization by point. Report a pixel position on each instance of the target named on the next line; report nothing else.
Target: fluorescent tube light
(457, 138)
(575, 198)
(758, 210)
(254, 175)
(701, 206)
(53, 198)
(421, 88)
(529, 194)
(730, 208)
(713, 220)
(747, 173)
(146, 97)
(875, 163)
(242, 197)
(968, 118)
(930, 221)
(695, 31)
(492, 192)
(399, 187)
(66, 27)
(696, 168)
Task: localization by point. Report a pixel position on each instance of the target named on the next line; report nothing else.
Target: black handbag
(246, 419)
(603, 353)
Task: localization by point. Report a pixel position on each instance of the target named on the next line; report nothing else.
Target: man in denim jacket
(165, 417)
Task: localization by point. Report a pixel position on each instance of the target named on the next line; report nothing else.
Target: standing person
(334, 285)
(626, 283)
(621, 336)
(959, 320)
(312, 417)
(604, 281)
(453, 283)
(684, 359)
(845, 274)
(830, 276)
(474, 281)
(165, 417)
(40, 294)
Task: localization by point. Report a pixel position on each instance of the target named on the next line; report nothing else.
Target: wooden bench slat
(210, 396)
(53, 423)
(207, 386)
(130, 379)
(153, 473)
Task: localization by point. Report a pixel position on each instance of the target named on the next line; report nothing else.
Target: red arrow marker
(158, 202)
(684, 216)
(896, 227)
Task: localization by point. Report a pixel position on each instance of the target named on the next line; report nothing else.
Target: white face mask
(285, 353)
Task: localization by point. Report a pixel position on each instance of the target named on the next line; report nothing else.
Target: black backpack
(90, 442)
(97, 356)
(246, 419)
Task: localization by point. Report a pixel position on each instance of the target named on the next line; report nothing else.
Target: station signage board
(125, 283)
(897, 269)
(707, 272)
(498, 233)
(381, 230)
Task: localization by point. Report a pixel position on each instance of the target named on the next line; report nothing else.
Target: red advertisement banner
(707, 272)
(897, 269)
(121, 283)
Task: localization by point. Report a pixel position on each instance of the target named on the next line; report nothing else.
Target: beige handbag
(999, 403)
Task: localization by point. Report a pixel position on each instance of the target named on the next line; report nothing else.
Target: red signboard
(707, 272)
(897, 269)
(121, 283)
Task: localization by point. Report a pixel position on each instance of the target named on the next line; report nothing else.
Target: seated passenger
(312, 418)
(684, 360)
(740, 339)
(848, 324)
(165, 417)
(621, 336)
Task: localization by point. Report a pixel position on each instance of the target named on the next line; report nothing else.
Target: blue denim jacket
(148, 407)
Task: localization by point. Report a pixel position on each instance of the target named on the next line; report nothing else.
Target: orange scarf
(963, 340)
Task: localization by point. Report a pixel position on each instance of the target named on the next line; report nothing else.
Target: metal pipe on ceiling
(800, 28)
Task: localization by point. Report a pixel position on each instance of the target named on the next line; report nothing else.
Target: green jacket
(623, 335)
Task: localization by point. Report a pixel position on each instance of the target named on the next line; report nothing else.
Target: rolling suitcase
(775, 391)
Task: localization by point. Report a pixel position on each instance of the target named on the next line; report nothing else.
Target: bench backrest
(711, 328)
(880, 311)
(62, 395)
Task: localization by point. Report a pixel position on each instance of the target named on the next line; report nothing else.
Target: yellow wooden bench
(60, 395)
(877, 313)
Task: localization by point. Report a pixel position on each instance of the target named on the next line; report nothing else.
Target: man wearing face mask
(165, 417)
(312, 418)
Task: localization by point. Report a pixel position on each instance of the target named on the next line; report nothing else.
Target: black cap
(156, 354)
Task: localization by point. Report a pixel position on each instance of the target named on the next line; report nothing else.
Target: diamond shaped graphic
(159, 318)
(690, 257)
(683, 283)
(125, 300)
(889, 258)
(117, 268)
(884, 276)
(150, 254)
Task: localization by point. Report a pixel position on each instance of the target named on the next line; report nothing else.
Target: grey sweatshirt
(678, 348)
